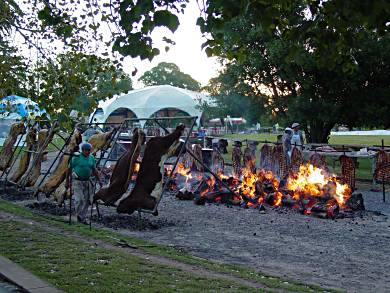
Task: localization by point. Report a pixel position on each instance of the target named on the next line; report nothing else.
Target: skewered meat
(61, 193)
(149, 180)
(266, 157)
(100, 141)
(123, 171)
(236, 159)
(249, 159)
(197, 151)
(296, 159)
(59, 173)
(6, 152)
(45, 136)
(31, 140)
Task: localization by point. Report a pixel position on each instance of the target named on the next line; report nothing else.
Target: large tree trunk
(318, 131)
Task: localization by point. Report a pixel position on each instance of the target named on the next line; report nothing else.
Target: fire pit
(311, 190)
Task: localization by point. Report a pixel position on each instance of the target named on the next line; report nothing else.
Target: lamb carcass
(123, 171)
(6, 152)
(149, 183)
(59, 174)
(100, 141)
(31, 141)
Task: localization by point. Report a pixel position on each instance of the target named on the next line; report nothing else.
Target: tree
(304, 89)
(234, 98)
(169, 73)
(76, 81)
(13, 71)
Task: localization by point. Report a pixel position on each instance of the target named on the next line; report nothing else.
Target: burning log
(329, 209)
(45, 136)
(59, 174)
(6, 152)
(149, 184)
(100, 141)
(185, 194)
(123, 171)
(356, 202)
(31, 140)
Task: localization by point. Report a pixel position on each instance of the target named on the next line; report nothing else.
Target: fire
(311, 189)
(136, 167)
(181, 169)
(314, 181)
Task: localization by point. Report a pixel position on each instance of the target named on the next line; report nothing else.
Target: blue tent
(12, 106)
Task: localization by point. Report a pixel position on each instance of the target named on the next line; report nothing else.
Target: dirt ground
(351, 254)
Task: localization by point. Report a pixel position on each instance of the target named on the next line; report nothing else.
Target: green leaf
(167, 19)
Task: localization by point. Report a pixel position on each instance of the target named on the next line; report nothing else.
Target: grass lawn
(364, 168)
(76, 266)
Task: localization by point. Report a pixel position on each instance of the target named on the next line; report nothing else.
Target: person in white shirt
(297, 136)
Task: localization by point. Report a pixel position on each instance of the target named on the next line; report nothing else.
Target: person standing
(81, 168)
(297, 136)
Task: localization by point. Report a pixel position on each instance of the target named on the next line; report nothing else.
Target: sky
(186, 54)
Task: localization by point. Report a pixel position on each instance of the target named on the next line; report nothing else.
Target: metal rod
(383, 180)
(70, 199)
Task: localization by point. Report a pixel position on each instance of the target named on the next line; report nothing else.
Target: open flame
(311, 189)
(314, 181)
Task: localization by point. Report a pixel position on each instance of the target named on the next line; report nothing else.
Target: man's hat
(86, 146)
(295, 125)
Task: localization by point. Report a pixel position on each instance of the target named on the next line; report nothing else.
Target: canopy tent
(151, 101)
(15, 107)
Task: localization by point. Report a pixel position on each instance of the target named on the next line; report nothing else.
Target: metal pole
(70, 199)
(383, 179)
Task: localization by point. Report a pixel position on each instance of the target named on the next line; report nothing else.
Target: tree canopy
(303, 89)
(169, 73)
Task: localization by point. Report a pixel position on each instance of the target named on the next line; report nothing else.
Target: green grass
(110, 236)
(364, 170)
(76, 266)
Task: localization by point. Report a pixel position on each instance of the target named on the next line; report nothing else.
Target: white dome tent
(162, 100)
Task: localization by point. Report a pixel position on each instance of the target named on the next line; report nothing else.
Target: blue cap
(86, 146)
